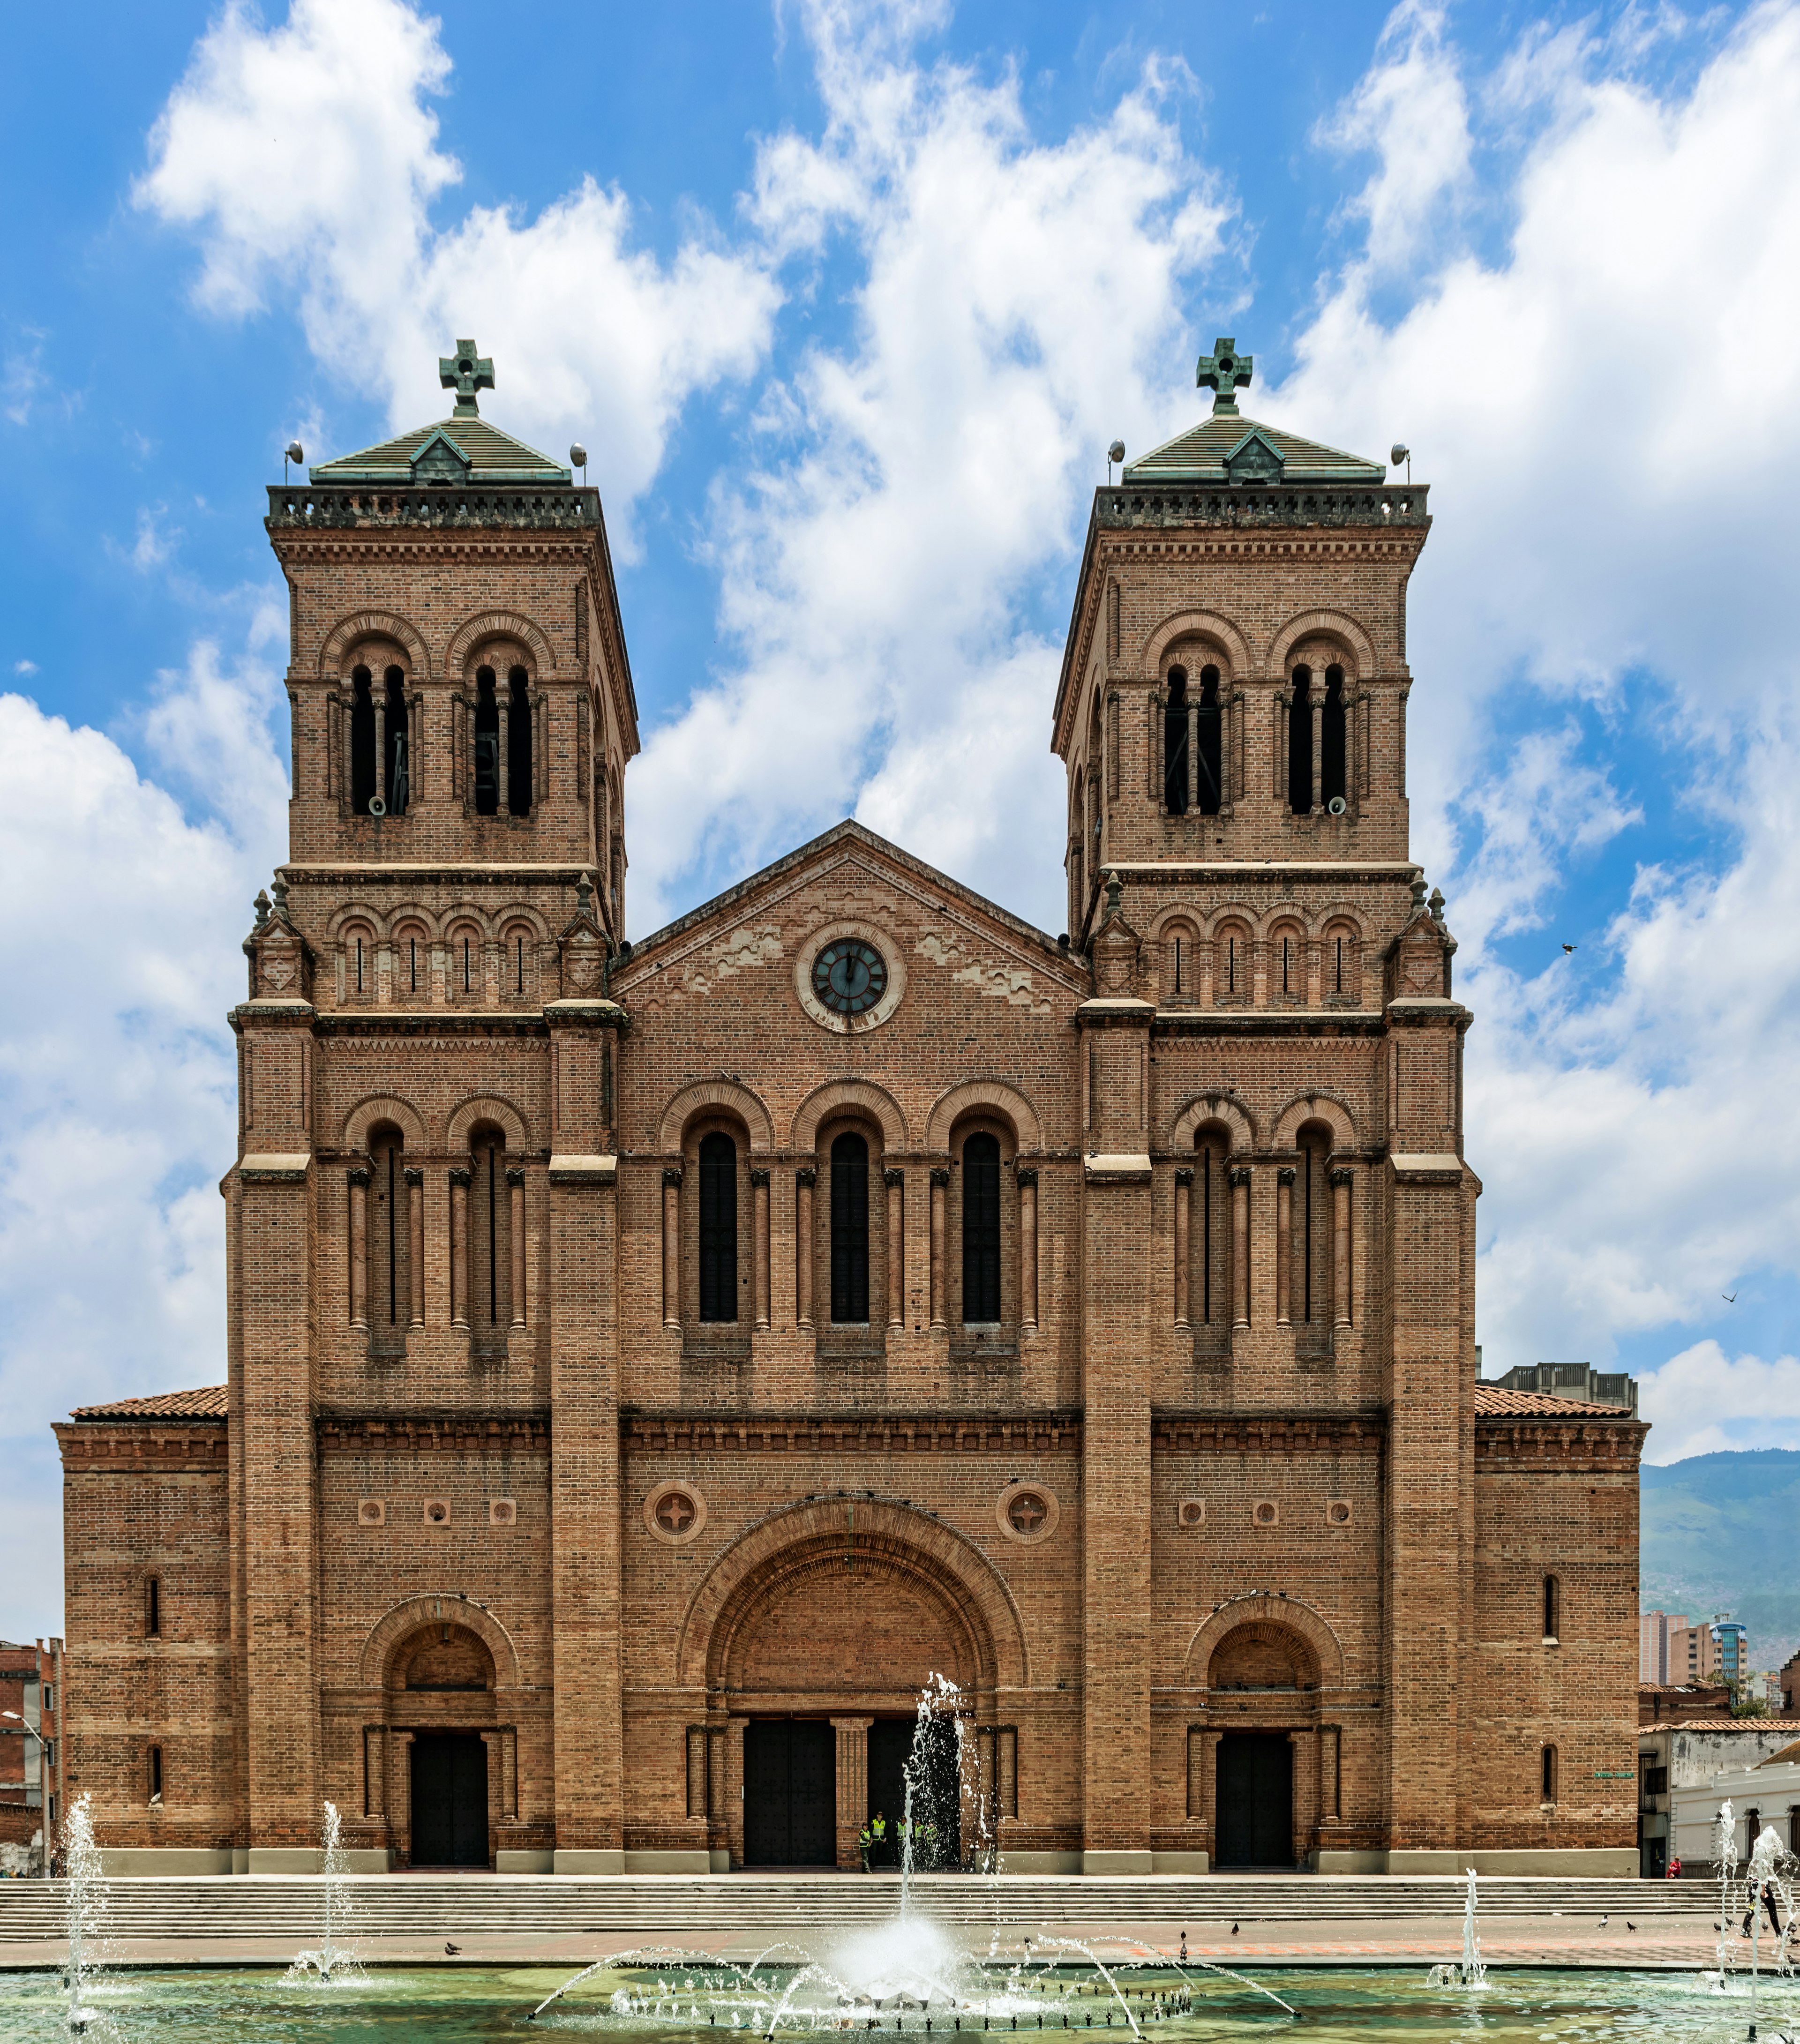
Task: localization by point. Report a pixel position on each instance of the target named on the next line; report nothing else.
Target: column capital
(758, 1174)
(893, 1175)
(806, 1175)
(1343, 1175)
(1027, 1173)
(1286, 1175)
(1241, 1174)
(358, 1174)
(940, 1175)
(671, 1174)
(415, 1175)
(515, 1175)
(1184, 1174)
(460, 1175)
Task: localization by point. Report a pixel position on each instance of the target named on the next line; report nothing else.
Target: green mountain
(1716, 1536)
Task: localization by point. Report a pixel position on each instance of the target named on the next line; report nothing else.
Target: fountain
(333, 1959)
(1470, 1971)
(907, 1973)
(86, 1901)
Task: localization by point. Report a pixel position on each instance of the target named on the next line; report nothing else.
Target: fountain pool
(655, 2003)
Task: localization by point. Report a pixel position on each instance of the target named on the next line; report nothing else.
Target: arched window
(397, 778)
(1287, 962)
(362, 741)
(412, 961)
(389, 1244)
(1209, 726)
(1231, 963)
(1553, 1609)
(1331, 739)
(1174, 744)
(981, 1230)
(850, 1230)
(1208, 1241)
(1342, 961)
(518, 743)
(1310, 1277)
(465, 968)
(1547, 1773)
(486, 745)
(718, 1228)
(518, 962)
(1300, 744)
(153, 1607)
(490, 1248)
(1181, 963)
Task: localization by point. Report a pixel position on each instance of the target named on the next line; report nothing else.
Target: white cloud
(123, 919)
(305, 159)
(24, 666)
(1693, 1400)
(1016, 305)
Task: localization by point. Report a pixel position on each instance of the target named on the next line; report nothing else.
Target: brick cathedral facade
(648, 1365)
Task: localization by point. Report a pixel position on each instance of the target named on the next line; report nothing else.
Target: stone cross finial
(465, 372)
(1221, 372)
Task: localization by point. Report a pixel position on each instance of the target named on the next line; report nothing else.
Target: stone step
(663, 1908)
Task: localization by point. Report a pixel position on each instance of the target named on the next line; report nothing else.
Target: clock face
(849, 977)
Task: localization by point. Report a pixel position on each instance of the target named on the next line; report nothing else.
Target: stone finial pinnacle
(1221, 372)
(280, 888)
(584, 892)
(1437, 904)
(1418, 890)
(261, 906)
(466, 372)
(1114, 888)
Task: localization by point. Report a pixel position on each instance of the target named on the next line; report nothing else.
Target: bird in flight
(1730, 1298)
(1568, 947)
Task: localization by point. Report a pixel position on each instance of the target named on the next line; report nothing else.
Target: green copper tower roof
(1228, 448)
(463, 448)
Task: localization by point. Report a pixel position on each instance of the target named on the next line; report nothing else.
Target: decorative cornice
(1174, 1430)
(370, 508)
(429, 1428)
(777, 1433)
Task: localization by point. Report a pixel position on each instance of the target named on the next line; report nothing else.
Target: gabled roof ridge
(207, 1403)
(854, 832)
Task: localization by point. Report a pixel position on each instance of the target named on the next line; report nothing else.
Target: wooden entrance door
(449, 1780)
(1254, 1801)
(789, 1792)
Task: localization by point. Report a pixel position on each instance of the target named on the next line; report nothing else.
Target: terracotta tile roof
(1492, 1401)
(207, 1403)
(1787, 1754)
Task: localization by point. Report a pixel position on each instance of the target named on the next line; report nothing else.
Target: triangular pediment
(1256, 459)
(439, 459)
(929, 927)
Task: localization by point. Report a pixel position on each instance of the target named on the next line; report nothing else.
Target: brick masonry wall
(1315, 1490)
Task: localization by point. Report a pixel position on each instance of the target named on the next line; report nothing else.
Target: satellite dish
(1397, 454)
(377, 806)
(578, 456)
(296, 453)
(1337, 805)
(1116, 452)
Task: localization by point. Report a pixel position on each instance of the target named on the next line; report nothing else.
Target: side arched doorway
(818, 1638)
(1270, 1673)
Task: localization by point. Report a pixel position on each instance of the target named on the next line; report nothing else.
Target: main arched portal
(815, 1635)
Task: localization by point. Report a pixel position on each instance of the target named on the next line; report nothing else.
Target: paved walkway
(1680, 1944)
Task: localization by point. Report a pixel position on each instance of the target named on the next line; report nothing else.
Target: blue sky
(847, 301)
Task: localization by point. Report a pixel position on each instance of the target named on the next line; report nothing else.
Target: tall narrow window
(981, 1229)
(1175, 745)
(1210, 724)
(1339, 987)
(1287, 964)
(362, 741)
(850, 1230)
(1547, 1774)
(153, 1608)
(155, 1774)
(518, 743)
(489, 1244)
(398, 775)
(413, 950)
(1300, 744)
(1209, 1243)
(388, 1244)
(1178, 985)
(718, 1228)
(1331, 739)
(486, 745)
(1553, 1608)
(1310, 1301)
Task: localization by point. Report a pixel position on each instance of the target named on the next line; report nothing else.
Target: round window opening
(1027, 1512)
(849, 977)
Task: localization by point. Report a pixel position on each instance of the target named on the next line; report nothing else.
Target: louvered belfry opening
(850, 1230)
(981, 1230)
(718, 1228)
